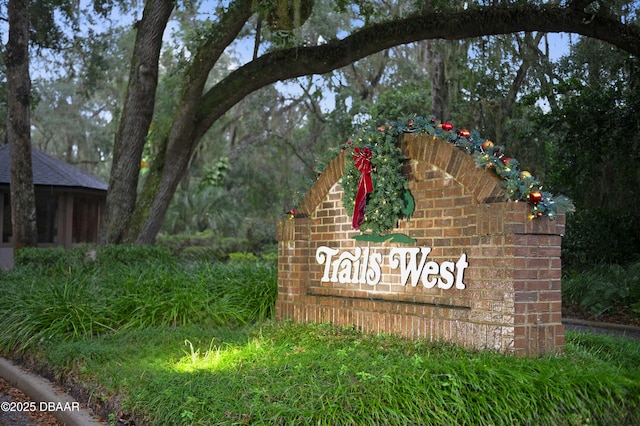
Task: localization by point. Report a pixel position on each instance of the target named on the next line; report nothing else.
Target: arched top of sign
(484, 185)
(475, 163)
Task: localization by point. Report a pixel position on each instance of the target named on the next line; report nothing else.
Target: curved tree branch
(284, 64)
(295, 62)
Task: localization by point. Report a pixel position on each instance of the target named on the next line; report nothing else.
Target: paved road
(19, 410)
(593, 327)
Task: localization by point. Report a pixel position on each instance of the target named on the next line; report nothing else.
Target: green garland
(391, 200)
(386, 203)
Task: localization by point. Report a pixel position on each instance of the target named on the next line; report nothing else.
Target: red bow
(362, 161)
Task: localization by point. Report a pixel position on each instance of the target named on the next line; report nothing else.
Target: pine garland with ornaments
(375, 174)
(387, 200)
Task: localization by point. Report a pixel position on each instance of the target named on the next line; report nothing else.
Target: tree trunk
(439, 81)
(137, 114)
(177, 148)
(193, 120)
(23, 205)
(125, 214)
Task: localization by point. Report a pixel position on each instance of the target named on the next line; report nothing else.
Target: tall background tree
(75, 109)
(37, 24)
(23, 205)
(230, 105)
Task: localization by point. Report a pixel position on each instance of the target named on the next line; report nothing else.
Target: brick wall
(511, 298)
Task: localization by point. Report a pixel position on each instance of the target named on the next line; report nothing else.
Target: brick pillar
(293, 264)
(537, 272)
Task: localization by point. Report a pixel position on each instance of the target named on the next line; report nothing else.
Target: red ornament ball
(447, 126)
(535, 197)
(465, 133)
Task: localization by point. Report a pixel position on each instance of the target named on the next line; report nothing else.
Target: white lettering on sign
(348, 268)
(362, 267)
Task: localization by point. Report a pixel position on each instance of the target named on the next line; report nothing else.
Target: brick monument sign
(474, 270)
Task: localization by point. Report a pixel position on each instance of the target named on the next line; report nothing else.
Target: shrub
(130, 287)
(242, 257)
(45, 257)
(177, 242)
(205, 246)
(201, 254)
(604, 290)
(270, 257)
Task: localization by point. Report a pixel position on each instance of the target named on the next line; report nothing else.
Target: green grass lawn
(284, 373)
(151, 340)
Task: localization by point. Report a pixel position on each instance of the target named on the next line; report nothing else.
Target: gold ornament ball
(486, 145)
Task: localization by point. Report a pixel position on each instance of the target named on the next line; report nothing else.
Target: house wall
(65, 218)
(495, 277)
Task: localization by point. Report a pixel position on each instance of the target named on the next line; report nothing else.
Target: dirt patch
(26, 417)
(96, 400)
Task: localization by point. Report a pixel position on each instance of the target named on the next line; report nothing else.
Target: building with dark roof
(69, 204)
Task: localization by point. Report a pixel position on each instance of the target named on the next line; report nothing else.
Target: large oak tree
(138, 218)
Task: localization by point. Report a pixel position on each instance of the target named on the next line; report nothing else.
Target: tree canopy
(182, 93)
(199, 106)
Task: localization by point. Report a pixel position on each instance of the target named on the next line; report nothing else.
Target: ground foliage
(607, 292)
(155, 341)
(75, 294)
(284, 373)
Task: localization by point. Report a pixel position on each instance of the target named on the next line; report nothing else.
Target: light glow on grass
(215, 358)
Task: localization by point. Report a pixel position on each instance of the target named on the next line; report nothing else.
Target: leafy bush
(133, 254)
(606, 289)
(130, 287)
(259, 233)
(177, 242)
(243, 257)
(203, 246)
(50, 257)
(270, 257)
(201, 254)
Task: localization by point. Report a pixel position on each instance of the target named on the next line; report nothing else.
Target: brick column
(293, 264)
(537, 273)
